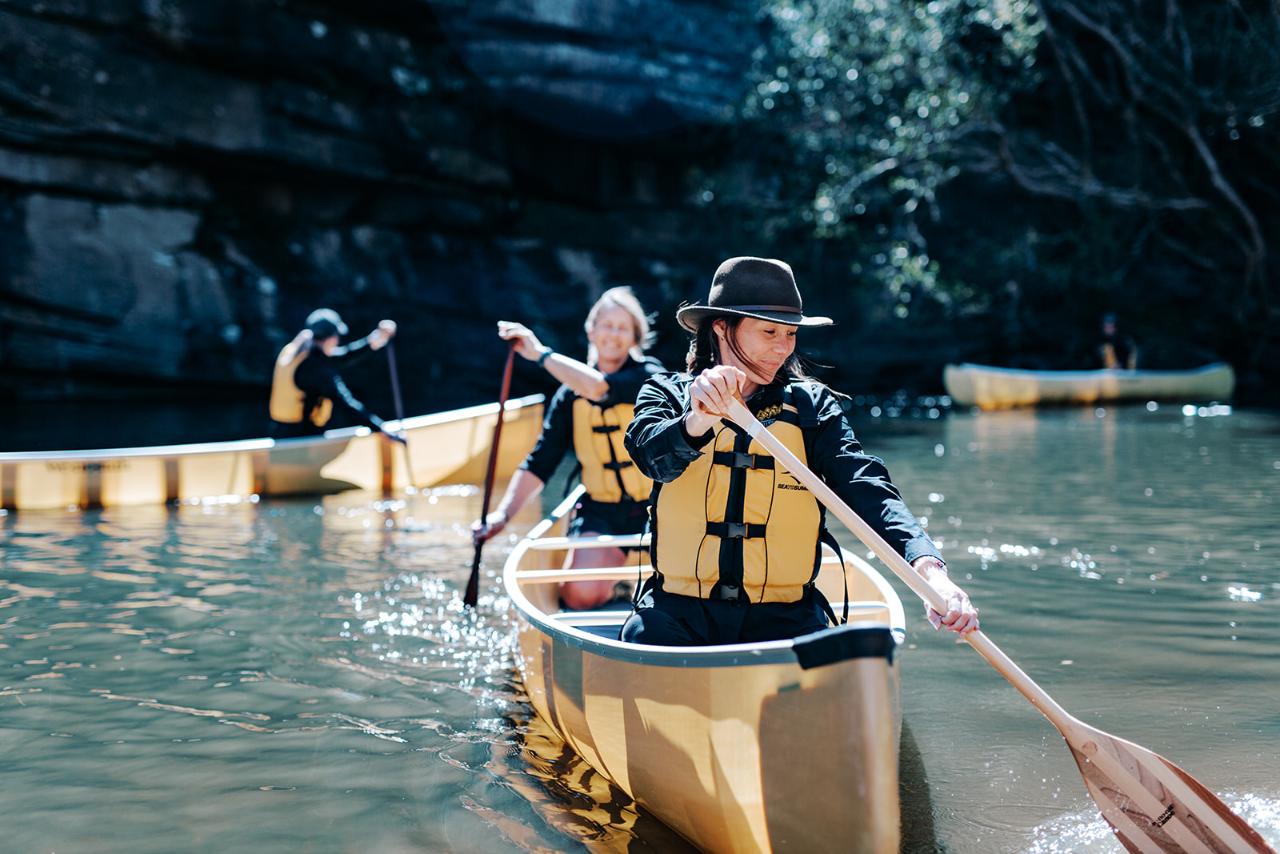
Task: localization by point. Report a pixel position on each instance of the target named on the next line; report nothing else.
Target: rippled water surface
(301, 676)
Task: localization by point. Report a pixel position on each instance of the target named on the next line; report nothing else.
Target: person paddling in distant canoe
(589, 413)
(737, 539)
(1117, 350)
(306, 385)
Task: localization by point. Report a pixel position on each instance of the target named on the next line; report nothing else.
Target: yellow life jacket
(607, 470)
(287, 400)
(736, 519)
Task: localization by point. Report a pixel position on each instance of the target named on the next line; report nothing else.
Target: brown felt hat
(763, 288)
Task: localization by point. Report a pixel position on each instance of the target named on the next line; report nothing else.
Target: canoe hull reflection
(737, 748)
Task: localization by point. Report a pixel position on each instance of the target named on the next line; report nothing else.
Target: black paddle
(399, 402)
(472, 594)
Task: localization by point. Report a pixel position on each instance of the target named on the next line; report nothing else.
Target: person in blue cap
(306, 385)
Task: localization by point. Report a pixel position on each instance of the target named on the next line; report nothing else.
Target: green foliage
(872, 97)
(1017, 167)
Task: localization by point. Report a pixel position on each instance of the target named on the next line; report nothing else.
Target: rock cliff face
(181, 182)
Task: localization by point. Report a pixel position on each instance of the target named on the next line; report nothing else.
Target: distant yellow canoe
(750, 747)
(1005, 388)
(447, 447)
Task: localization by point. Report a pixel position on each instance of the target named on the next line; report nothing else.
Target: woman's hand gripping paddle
(472, 594)
(1150, 803)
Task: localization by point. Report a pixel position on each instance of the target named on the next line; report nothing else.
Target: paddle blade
(472, 594)
(1152, 804)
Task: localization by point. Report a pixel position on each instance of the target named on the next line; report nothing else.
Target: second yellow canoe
(1006, 388)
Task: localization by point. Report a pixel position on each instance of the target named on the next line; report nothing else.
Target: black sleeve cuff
(694, 442)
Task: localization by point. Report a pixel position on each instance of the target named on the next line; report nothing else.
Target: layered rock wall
(181, 182)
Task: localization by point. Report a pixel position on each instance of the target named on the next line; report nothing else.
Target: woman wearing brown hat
(588, 413)
(736, 539)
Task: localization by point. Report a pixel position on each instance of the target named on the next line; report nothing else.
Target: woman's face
(613, 334)
(765, 344)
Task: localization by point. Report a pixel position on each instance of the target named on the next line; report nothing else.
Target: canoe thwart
(621, 573)
(607, 573)
(604, 541)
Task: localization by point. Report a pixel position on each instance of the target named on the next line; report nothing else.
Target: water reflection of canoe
(571, 798)
(752, 747)
(1005, 388)
(447, 447)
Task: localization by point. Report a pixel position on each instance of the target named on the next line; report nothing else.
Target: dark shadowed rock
(182, 182)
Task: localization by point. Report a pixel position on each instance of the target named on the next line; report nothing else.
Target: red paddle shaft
(472, 594)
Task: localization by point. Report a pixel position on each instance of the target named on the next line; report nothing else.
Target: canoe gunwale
(1050, 376)
(882, 639)
(265, 444)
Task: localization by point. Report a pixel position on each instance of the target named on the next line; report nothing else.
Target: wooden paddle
(472, 594)
(395, 394)
(1150, 803)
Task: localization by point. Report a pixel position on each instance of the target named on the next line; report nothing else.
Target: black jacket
(318, 378)
(557, 424)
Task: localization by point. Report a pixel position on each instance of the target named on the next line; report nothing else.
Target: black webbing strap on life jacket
(736, 530)
(738, 460)
(613, 465)
(828, 538)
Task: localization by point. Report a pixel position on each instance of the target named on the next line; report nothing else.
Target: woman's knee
(581, 595)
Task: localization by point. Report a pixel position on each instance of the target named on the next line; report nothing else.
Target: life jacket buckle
(728, 592)
(735, 530)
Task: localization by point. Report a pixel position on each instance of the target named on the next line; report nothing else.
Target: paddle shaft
(1146, 785)
(472, 594)
(399, 404)
(739, 414)
(395, 380)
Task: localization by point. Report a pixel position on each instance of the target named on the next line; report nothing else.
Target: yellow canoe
(1005, 388)
(749, 747)
(446, 447)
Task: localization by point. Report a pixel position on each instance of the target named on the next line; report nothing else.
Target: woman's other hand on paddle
(491, 526)
(961, 616)
(709, 396)
(527, 344)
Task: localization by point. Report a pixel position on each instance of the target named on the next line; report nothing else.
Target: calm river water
(300, 675)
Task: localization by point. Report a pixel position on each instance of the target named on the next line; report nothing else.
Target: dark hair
(704, 350)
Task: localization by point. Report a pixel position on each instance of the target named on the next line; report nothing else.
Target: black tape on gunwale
(843, 643)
